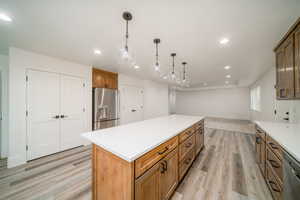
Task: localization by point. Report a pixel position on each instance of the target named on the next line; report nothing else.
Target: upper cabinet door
(104, 79)
(285, 70)
(297, 62)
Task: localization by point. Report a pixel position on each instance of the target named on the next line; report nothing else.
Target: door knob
(133, 110)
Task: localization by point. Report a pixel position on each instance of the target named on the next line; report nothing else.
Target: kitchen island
(144, 160)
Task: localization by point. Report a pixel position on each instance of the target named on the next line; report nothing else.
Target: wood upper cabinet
(105, 79)
(297, 62)
(287, 64)
(159, 182)
(285, 88)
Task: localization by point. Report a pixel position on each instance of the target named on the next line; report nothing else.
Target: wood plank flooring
(225, 169)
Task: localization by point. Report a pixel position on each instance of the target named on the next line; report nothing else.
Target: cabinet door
(147, 187)
(262, 163)
(169, 177)
(285, 69)
(98, 79)
(111, 81)
(297, 62)
(198, 141)
(258, 141)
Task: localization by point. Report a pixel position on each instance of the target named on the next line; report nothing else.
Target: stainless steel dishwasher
(291, 178)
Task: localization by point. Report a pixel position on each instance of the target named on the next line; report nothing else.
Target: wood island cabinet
(104, 79)
(153, 176)
(287, 65)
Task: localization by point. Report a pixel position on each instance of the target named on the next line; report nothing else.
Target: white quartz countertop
(131, 141)
(286, 134)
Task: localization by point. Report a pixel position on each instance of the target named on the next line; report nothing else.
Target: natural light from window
(255, 98)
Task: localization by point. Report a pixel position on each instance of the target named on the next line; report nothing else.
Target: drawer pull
(188, 145)
(187, 161)
(273, 186)
(274, 146)
(166, 165)
(164, 151)
(274, 164)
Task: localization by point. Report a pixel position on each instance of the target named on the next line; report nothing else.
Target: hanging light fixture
(156, 42)
(184, 72)
(173, 76)
(127, 16)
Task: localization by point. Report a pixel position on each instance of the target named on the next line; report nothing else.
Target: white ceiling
(71, 29)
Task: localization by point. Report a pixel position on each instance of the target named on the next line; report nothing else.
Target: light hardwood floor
(225, 169)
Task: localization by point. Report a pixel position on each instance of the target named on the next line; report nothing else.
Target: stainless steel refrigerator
(105, 108)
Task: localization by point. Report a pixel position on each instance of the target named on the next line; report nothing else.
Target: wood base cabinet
(269, 160)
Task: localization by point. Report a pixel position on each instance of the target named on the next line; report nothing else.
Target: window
(255, 98)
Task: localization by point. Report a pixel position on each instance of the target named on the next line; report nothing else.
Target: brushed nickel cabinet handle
(273, 186)
(274, 146)
(56, 117)
(164, 151)
(274, 164)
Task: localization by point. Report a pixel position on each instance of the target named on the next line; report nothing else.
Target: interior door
(131, 104)
(43, 111)
(72, 113)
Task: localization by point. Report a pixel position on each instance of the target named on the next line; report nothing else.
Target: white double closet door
(56, 113)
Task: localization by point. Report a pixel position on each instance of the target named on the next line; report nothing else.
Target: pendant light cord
(126, 36)
(156, 54)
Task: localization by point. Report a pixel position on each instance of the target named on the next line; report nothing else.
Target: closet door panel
(72, 111)
(43, 110)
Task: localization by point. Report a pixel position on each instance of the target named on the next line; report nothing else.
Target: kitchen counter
(131, 141)
(286, 134)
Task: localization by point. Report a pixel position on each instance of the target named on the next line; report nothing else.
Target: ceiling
(71, 29)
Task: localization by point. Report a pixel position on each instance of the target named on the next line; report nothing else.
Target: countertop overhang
(131, 141)
(286, 134)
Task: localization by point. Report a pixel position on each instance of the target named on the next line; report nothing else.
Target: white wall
(4, 102)
(19, 62)
(156, 100)
(269, 103)
(231, 103)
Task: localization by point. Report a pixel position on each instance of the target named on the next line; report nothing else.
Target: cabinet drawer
(149, 159)
(273, 185)
(275, 164)
(186, 146)
(185, 134)
(260, 132)
(275, 147)
(186, 163)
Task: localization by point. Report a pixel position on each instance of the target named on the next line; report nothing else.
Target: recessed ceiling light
(228, 76)
(224, 41)
(97, 52)
(136, 67)
(227, 67)
(5, 17)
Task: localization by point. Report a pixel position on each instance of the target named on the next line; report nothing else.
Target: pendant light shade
(173, 76)
(127, 16)
(156, 65)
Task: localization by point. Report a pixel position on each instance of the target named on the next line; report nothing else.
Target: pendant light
(156, 42)
(184, 72)
(173, 76)
(127, 16)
